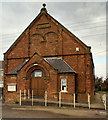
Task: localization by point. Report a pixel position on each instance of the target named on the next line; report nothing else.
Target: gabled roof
(15, 71)
(57, 63)
(69, 32)
(44, 12)
(60, 65)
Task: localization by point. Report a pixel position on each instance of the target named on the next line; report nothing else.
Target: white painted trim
(53, 58)
(46, 60)
(64, 91)
(61, 85)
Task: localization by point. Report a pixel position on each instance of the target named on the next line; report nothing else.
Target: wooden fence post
(28, 94)
(32, 97)
(59, 99)
(74, 100)
(89, 100)
(105, 101)
(1, 97)
(46, 98)
(20, 97)
(24, 94)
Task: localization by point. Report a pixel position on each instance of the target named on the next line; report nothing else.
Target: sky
(87, 20)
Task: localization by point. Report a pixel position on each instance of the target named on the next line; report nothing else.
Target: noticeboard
(11, 87)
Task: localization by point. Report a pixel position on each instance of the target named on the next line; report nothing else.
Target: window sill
(64, 91)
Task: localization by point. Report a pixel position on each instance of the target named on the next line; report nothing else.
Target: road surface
(15, 111)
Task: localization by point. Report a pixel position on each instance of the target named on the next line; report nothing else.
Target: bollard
(24, 94)
(74, 100)
(45, 98)
(32, 97)
(105, 102)
(20, 97)
(28, 94)
(89, 100)
(1, 97)
(59, 99)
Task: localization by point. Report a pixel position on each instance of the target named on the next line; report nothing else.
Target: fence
(27, 94)
(104, 100)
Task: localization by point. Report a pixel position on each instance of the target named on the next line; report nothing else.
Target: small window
(77, 49)
(37, 73)
(63, 84)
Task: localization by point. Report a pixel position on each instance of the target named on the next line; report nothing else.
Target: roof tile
(60, 65)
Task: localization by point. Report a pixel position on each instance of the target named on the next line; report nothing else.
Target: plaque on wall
(43, 25)
(13, 78)
(11, 87)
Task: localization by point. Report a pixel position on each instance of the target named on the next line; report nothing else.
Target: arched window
(37, 73)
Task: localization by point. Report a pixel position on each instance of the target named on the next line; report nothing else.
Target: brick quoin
(48, 46)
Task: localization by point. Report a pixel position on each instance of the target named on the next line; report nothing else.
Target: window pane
(37, 73)
(64, 88)
(63, 81)
(63, 84)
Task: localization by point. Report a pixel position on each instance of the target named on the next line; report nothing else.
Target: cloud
(99, 71)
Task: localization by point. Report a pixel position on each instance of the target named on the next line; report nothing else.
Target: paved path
(15, 111)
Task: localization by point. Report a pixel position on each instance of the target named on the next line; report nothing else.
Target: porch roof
(15, 71)
(60, 65)
(57, 63)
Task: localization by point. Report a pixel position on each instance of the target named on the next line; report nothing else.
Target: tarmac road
(24, 113)
(15, 111)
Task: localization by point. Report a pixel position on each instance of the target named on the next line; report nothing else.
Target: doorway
(38, 83)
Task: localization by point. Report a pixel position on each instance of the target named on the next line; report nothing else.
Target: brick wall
(50, 39)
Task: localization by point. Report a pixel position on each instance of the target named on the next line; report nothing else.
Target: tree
(105, 85)
(98, 83)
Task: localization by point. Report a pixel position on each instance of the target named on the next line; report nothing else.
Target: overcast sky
(87, 20)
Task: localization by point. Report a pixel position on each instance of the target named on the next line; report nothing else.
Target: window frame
(64, 85)
(13, 87)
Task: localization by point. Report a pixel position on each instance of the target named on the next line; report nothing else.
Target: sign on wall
(11, 87)
(13, 78)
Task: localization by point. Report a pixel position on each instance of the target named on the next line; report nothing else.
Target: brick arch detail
(28, 70)
(32, 67)
(51, 32)
(38, 34)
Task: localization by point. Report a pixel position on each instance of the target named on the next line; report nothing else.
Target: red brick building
(47, 56)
